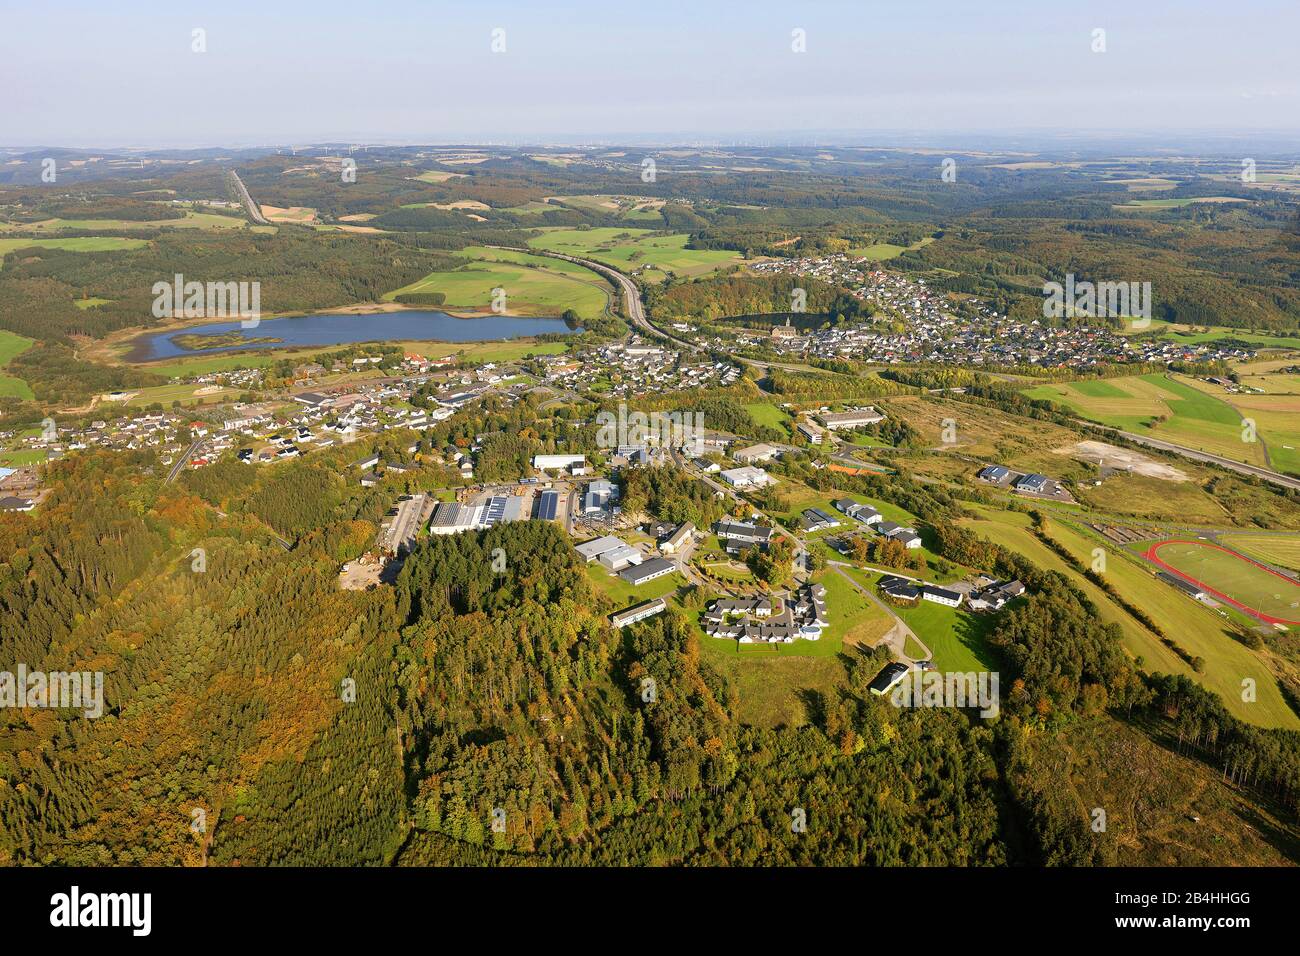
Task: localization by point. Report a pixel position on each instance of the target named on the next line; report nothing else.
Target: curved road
(635, 310)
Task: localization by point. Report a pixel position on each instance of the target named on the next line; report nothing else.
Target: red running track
(1151, 556)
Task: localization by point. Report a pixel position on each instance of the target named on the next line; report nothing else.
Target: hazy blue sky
(278, 71)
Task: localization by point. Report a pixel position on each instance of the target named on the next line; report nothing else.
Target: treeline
(710, 299)
(297, 272)
(797, 387)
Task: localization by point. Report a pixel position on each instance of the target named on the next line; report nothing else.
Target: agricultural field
(437, 176)
(191, 220)
(78, 244)
(1162, 406)
(632, 208)
(1245, 584)
(655, 255)
(1157, 204)
(1277, 422)
(534, 285)
(11, 346)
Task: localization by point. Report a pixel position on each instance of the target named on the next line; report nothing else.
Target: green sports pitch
(1241, 581)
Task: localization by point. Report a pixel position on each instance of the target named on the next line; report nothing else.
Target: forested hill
(482, 710)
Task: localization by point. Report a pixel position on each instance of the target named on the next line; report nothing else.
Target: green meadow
(655, 254)
(534, 285)
(1138, 403)
(191, 220)
(78, 244)
(11, 346)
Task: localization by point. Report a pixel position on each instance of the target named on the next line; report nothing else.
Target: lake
(336, 329)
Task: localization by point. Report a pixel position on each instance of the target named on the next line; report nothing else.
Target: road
(183, 460)
(253, 209)
(1286, 481)
(635, 312)
(634, 309)
(898, 635)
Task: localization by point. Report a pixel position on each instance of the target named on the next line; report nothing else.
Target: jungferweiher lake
(342, 329)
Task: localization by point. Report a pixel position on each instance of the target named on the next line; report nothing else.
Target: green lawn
(624, 595)
(765, 413)
(955, 636)
(25, 456)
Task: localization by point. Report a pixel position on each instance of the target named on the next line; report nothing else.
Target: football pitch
(1232, 577)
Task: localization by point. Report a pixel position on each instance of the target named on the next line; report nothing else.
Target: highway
(254, 211)
(635, 310)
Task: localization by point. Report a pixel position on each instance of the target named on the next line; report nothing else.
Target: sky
(274, 72)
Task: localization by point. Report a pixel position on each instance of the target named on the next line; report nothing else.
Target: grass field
(1134, 403)
(1200, 631)
(166, 394)
(191, 220)
(627, 249)
(765, 413)
(880, 251)
(1276, 417)
(471, 351)
(632, 208)
(534, 285)
(80, 244)
(623, 594)
(1176, 203)
(1247, 585)
(24, 456)
(1274, 549)
(775, 684)
(955, 636)
(12, 345)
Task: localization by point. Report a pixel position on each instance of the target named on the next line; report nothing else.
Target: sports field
(1232, 577)
(765, 413)
(627, 249)
(534, 285)
(1197, 629)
